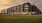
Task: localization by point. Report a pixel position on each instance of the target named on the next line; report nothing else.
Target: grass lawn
(20, 19)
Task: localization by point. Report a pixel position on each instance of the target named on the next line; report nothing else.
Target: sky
(4, 4)
(8, 3)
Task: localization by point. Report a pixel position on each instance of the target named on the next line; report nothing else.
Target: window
(26, 8)
(17, 8)
(26, 5)
(21, 10)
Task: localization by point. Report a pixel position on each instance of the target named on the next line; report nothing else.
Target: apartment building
(25, 8)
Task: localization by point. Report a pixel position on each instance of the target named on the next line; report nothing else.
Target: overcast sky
(8, 3)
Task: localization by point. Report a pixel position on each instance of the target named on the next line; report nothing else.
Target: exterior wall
(21, 9)
(8, 10)
(25, 8)
(16, 10)
(5, 11)
(2, 11)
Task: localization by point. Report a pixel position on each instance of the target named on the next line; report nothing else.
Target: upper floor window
(26, 5)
